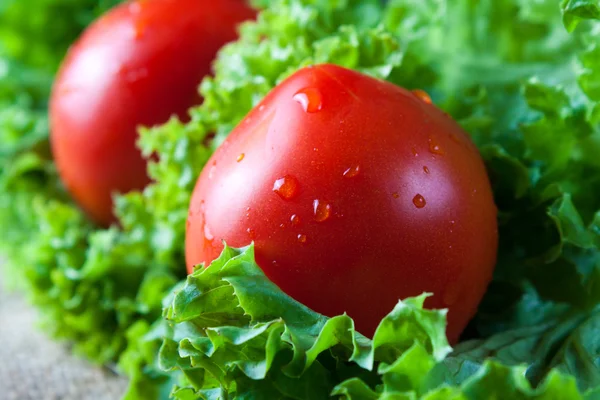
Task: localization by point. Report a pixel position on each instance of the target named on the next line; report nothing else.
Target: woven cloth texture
(33, 367)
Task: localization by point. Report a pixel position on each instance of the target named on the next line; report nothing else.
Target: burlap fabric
(32, 367)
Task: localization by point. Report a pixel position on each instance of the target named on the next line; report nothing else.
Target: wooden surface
(32, 367)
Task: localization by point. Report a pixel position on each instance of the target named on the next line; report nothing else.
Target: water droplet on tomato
(419, 201)
(261, 107)
(241, 157)
(207, 233)
(322, 210)
(286, 187)
(435, 148)
(302, 238)
(414, 152)
(212, 170)
(352, 171)
(251, 233)
(295, 220)
(282, 226)
(452, 222)
(395, 195)
(426, 169)
(310, 99)
(422, 95)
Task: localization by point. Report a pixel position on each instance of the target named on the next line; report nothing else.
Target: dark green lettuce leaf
(574, 11)
(548, 237)
(542, 308)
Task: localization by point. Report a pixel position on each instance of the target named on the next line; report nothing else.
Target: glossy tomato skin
(383, 197)
(136, 66)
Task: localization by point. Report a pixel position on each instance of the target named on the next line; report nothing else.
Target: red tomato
(138, 65)
(356, 193)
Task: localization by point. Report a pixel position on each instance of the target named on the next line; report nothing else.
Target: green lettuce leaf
(39, 40)
(549, 264)
(31, 48)
(233, 334)
(575, 11)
